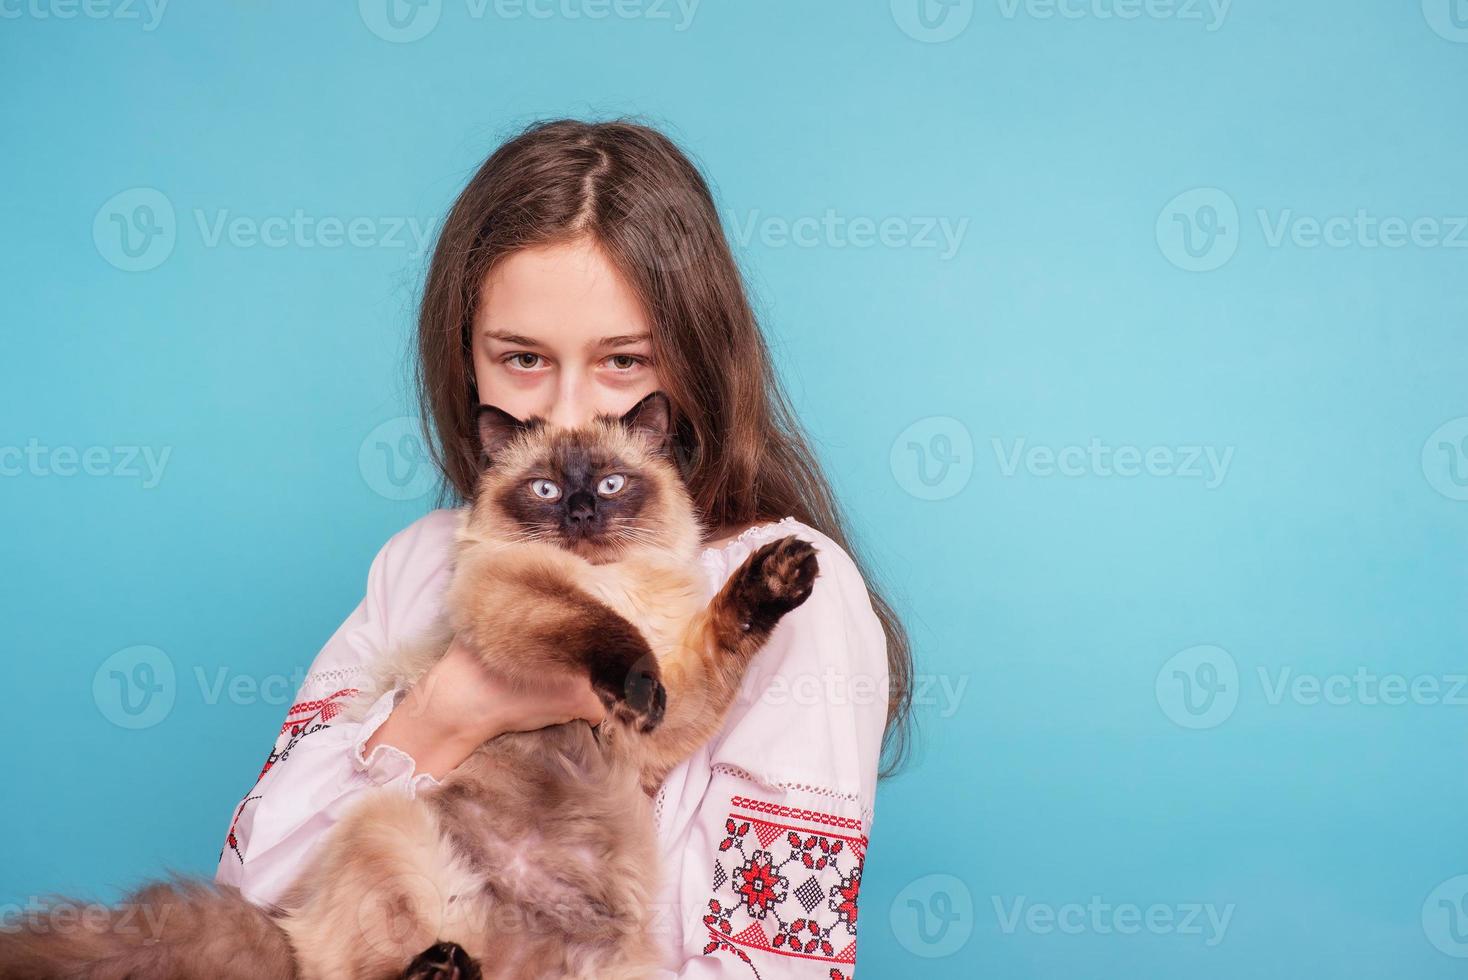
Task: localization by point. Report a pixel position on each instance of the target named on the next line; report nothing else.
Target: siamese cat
(537, 856)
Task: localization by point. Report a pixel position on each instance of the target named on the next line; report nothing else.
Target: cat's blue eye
(611, 484)
(545, 489)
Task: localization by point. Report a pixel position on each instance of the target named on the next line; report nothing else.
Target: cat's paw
(645, 702)
(625, 676)
(775, 579)
(442, 961)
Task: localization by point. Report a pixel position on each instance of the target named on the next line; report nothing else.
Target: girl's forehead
(568, 297)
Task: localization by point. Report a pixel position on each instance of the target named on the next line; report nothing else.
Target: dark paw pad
(643, 701)
(442, 961)
(634, 695)
(775, 579)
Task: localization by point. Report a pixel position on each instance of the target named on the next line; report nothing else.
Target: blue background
(1073, 764)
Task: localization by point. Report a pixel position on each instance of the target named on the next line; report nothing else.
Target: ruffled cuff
(387, 764)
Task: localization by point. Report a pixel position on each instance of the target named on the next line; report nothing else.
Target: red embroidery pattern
(787, 884)
(304, 718)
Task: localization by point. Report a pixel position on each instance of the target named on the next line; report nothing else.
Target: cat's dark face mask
(578, 488)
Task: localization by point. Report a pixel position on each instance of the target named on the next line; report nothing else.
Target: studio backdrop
(1131, 332)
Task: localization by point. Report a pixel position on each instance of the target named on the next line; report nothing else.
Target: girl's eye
(518, 360)
(545, 489)
(611, 484)
(625, 362)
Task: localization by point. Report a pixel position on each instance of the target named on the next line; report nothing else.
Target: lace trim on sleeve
(866, 811)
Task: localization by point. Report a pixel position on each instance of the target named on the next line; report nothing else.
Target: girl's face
(559, 333)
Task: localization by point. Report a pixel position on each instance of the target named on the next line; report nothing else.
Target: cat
(536, 857)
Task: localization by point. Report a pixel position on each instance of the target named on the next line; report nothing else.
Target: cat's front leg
(773, 580)
(529, 619)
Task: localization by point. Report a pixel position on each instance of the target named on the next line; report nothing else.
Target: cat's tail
(183, 928)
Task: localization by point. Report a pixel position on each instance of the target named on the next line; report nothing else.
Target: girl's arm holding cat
(322, 761)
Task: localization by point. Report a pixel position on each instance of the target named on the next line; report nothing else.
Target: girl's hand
(459, 705)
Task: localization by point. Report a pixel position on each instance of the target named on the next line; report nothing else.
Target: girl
(583, 267)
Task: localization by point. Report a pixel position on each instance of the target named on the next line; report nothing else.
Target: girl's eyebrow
(623, 340)
(511, 338)
(626, 340)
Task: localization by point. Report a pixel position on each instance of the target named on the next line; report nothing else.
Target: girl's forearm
(436, 748)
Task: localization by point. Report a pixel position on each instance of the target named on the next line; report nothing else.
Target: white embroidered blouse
(761, 833)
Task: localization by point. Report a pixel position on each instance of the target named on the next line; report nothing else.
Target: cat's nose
(581, 508)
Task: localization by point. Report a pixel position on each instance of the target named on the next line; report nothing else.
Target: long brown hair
(636, 194)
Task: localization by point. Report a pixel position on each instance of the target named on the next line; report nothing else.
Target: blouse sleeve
(317, 768)
(770, 857)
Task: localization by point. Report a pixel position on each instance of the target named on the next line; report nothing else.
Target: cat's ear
(653, 419)
(496, 428)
